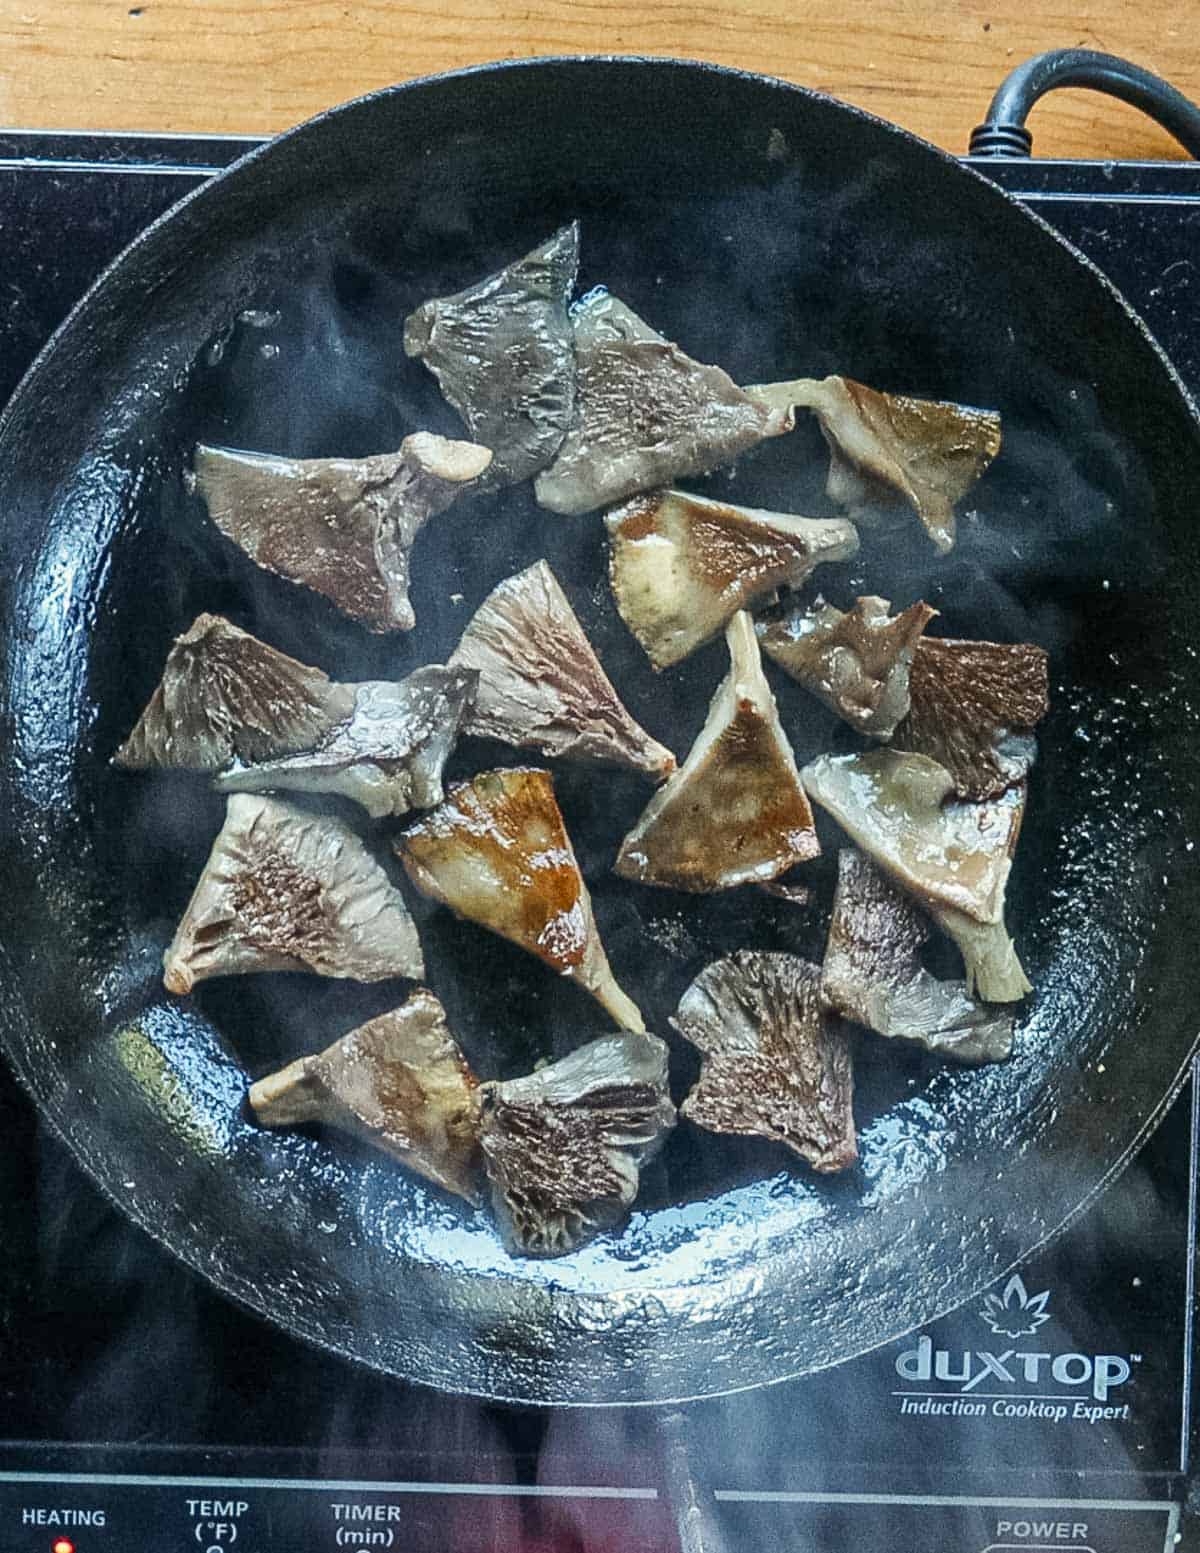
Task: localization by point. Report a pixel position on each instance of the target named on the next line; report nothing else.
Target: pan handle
(1003, 132)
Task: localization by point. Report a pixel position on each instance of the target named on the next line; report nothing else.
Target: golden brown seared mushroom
(682, 566)
(886, 449)
(399, 1081)
(564, 1147)
(954, 857)
(503, 353)
(387, 753)
(974, 708)
(223, 696)
(776, 1063)
(645, 413)
(873, 974)
(856, 661)
(735, 812)
(285, 890)
(541, 684)
(497, 852)
(343, 527)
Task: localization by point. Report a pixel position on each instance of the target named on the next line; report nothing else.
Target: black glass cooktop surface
(139, 1410)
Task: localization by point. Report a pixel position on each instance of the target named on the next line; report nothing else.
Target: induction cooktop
(141, 1411)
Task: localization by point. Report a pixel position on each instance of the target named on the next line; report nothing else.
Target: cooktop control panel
(933, 1524)
(99, 1514)
(160, 1515)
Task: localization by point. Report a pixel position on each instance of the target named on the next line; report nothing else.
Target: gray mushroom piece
(541, 685)
(857, 661)
(974, 708)
(286, 890)
(736, 811)
(497, 852)
(888, 449)
(682, 566)
(343, 527)
(564, 1147)
(387, 753)
(776, 1062)
(872, 973)
(953, 857)
(223, 696)
(503, 353)
(645, 413)
(399, 1081)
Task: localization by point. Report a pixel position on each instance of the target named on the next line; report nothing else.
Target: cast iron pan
(778, 233)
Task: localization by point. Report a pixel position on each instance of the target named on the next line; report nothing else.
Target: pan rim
(535, 64)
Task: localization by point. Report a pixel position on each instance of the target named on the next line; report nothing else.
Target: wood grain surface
(260, 65)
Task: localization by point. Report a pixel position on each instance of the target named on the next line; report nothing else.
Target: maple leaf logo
(1016, 1312)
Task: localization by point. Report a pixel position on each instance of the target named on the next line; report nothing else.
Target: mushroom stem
(286, 1098)
(990, 963)
(611, 998)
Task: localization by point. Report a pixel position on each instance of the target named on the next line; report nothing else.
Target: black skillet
(778, 233)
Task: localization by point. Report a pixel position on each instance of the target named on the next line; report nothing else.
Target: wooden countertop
(261, 65)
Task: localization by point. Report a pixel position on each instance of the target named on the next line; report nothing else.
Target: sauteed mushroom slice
(776, 1063)
(399, 1081)
(974, 708)
(682, 566)
(541, 684)
(343, 527)
(953, 856)
(886, 449)
(564, 1147)
(223, 696)
(497, 852)
(645, 413)
(504, 356)
(286, 890)
(387, 753)
(735, 812)
(873, 974)
(856, 661)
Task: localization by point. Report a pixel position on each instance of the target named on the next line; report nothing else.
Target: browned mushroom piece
(564, 1146)
(387, 753)
(541, 684)
(974, 708)
(953, 857)
(223, 696)
(682, 566)
(887, 449)
(497, 852)
(285, 890)
(776, 1063)
(504, 356)
(873, 973)
(856, 661)
(343, 527)
(645, 413)
(735, 812)
(399, 1081)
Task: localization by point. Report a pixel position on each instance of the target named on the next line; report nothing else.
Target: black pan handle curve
(1003, 132)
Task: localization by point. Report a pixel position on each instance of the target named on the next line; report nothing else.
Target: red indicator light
(63, 1545)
